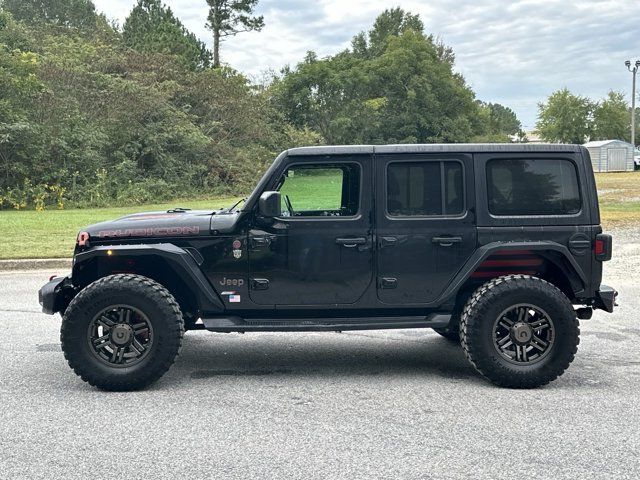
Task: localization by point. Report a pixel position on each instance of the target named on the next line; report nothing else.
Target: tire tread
(475, 311)
(137, 284)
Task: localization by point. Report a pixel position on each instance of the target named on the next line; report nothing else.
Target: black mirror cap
(269, 204)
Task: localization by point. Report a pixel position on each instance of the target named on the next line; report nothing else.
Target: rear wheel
(122, 332)
(519, 331)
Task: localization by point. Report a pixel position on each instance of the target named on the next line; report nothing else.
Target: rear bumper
(52, 295)
(606, 298)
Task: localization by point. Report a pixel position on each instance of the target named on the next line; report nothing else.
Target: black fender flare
(180, 261)
(575, 274)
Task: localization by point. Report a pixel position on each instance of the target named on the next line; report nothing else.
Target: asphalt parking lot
(379, 404)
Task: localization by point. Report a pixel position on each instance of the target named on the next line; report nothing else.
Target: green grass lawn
(314, 192)
(619, 196)
(52, 233)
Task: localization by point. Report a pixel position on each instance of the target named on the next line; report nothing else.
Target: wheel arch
(550, 261)
(167, 264)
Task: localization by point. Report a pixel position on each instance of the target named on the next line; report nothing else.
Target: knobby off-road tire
(512, 297)
(122, 332)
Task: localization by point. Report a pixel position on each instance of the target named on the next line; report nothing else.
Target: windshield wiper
(230, 209)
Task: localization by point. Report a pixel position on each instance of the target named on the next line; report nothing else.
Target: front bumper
(606, 298)
(55, 295)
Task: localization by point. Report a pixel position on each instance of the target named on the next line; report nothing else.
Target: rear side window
(532, 187)
(429, 188)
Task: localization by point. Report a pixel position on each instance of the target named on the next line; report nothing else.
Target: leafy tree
(396, 84)
(86, 120)
(19, 90)
(228, 18)
(565, 117)
(152, 27)
(503, 120)
(391, 23)
(66, 13)
(611, 118)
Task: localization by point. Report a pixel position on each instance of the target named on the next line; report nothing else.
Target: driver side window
(320, 190)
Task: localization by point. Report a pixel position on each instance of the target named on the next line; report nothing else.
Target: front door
(425, 224)
(319, 251)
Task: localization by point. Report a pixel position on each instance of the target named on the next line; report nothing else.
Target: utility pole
(634, 71)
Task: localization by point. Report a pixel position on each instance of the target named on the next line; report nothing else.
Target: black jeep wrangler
(498, 247)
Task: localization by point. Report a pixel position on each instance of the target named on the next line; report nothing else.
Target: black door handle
(351, 242)
(446, 241)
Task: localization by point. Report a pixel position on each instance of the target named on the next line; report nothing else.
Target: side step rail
(239, 324)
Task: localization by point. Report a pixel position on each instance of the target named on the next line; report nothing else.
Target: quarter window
(532, 187)
(429, 188)
(323, 190)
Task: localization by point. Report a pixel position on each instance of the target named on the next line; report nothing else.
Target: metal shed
(611, 155)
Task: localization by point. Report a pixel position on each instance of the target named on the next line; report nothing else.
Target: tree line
(94, 114)
(569, 118)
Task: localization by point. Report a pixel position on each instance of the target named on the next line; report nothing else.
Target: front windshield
(260, 186)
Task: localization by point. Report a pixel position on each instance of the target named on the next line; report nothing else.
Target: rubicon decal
(149, 232)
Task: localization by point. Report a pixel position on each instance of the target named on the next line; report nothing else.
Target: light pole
(633, 70)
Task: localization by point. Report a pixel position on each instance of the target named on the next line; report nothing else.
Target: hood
(171, 223)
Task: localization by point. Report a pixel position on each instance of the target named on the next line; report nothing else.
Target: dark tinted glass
(425, 188)
(532, 187)
(453, 196)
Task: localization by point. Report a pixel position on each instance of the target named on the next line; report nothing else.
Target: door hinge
(388, 282)
(261, 241)
(388, 241)
(259, 284)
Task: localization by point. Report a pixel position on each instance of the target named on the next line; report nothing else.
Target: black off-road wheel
(122, 332)
(519, 331)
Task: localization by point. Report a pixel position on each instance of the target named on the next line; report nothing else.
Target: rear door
(425, 224)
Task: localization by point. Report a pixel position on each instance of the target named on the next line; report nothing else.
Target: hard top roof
(435, 148)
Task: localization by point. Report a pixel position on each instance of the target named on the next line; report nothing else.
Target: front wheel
(122, 332)
(519, 331)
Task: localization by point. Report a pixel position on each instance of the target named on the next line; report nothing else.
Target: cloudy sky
(511, 52)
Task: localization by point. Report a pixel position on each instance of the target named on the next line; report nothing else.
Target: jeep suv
(498, 247)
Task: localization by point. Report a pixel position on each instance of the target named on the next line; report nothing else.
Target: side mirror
(269, 204)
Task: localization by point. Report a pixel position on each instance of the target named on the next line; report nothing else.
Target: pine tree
(228, 18)
(152, 27)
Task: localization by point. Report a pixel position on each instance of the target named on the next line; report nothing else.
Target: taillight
(602, 248)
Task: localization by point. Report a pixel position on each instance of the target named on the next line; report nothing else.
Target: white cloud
(512, 52)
